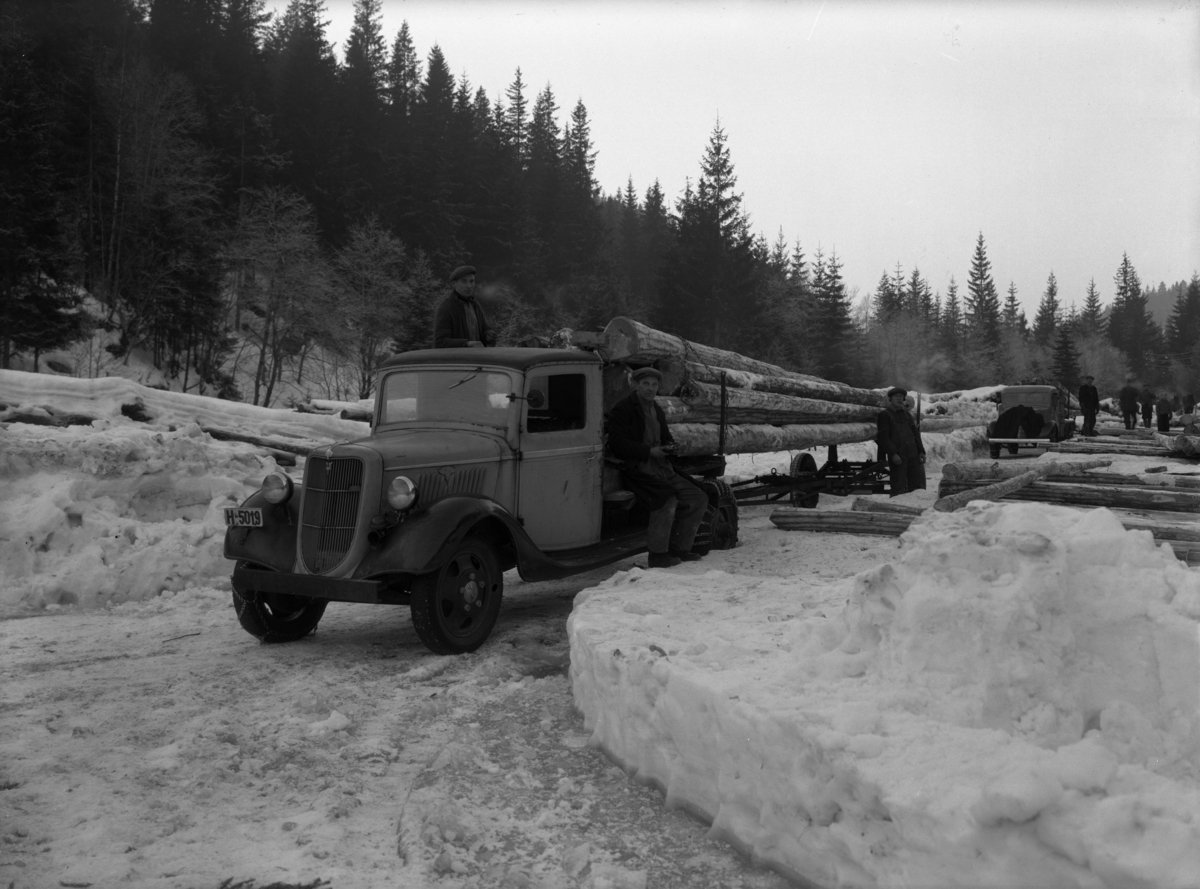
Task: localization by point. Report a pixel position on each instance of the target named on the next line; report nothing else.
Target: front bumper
(371, 592)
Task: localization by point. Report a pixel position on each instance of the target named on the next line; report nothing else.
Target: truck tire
(277, 617)
(994, 451)
(804, 463)
(719, 527)
(455, 608)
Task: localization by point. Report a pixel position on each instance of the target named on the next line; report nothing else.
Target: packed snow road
(157, 744)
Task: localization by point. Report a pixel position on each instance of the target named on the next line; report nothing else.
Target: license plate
(243, 517)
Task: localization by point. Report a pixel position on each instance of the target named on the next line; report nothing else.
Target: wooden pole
(995, 471)
(791, 519)
(1111, 496)
(995, 491)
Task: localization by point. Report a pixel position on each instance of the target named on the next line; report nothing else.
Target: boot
(662, 560)
(686, 556)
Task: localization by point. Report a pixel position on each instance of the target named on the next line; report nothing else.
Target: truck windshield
(461, 395)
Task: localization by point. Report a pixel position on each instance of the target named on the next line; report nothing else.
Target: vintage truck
(478, 461)
(1030, 416)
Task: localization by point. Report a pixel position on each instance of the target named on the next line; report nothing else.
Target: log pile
(1111, 496)
(767, 408)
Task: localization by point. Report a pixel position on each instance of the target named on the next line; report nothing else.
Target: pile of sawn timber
(1166, 505)
(767, 408)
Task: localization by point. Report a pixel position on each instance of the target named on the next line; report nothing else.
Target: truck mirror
(536, 399)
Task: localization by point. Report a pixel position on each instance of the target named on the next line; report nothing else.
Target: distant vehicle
(479, 460)
(1030, 416)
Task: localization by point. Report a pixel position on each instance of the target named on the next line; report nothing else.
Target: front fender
(424, 541)
(272, 545)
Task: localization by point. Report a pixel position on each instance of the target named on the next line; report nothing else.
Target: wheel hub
(469, 592)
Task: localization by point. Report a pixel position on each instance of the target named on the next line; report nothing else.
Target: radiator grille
(332, 489)
(435, 485)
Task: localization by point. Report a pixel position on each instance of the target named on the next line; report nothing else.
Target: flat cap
(642, 372)
(896, 390)
(1088, 377)
(460, 271)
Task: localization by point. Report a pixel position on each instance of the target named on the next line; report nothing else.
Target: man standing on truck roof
(638, 435)
(900, 444)
(1089, 403)
(459, 319)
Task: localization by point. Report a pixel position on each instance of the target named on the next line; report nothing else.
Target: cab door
(559, 499)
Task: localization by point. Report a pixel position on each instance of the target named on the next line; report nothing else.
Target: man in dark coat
(900, 444)
(1127, 400)
(638, 435)
(1162, 410)
(459, 319)
(1147, 399)
(1089, 403)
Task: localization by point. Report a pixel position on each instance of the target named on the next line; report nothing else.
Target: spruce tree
(1014, 315)
(833, 328)
(1046, 322)
(886, 302)
(1066, 358)
(1091, 319)
(1183, 327)
(982, 303)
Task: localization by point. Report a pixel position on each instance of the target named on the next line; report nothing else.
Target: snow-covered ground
(1006, 697)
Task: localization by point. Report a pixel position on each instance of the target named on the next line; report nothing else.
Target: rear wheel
(720, 523)
(276, 617)
(804, 465)
(1012, 449)
(994, 450)
(455, 608)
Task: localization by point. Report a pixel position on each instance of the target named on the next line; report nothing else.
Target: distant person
(638, 436)
(1162, 409)
(1189, 403)
(1089, 403)
(1147, 399)
(459, 319)
(900, 444)
(1127, 401)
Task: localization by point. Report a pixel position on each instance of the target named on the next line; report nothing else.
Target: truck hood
(402, 450)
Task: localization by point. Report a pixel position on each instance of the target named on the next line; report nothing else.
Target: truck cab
(1030, 415)
(478, 461)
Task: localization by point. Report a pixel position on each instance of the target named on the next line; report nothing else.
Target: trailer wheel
(719, 527)
(276, 617)
(1012, 449)
(802, 465)
(455, 608)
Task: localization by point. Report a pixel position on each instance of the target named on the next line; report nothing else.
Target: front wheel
(455, 608)
(277, 617)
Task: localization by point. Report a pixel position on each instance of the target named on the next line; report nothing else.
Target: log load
(628, 341)
(703, 402)
(793, 384)
(1111, 496)
(698, 439)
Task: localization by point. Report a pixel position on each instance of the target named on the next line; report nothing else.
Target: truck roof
(511, 357)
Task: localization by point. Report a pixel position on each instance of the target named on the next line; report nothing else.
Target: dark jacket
(1089, 399)
(1128, 399)
(450, 323)
(1162, 407)
(897, 433)
(625, 439)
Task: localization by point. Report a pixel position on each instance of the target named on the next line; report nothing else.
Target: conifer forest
(199, 178)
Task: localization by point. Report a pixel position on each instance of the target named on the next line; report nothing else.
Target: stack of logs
(767, 408)
(1163, 504)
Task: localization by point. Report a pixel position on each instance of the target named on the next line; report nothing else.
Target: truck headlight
(401, 493)
(277, 487)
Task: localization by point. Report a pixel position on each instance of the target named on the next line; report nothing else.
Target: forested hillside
(244, 205)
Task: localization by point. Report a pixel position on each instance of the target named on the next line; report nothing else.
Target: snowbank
(97, 517)
(104, 397)
(1002, 706)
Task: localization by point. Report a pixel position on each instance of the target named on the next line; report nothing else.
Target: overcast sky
(1067, 132)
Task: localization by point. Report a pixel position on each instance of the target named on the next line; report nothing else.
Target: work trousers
(907, 475)
(1164, 422)
(1089, 423)
(1131, 418)
(673, 525)
(1147, 413)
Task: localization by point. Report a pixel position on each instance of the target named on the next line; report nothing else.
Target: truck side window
(565, 406)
